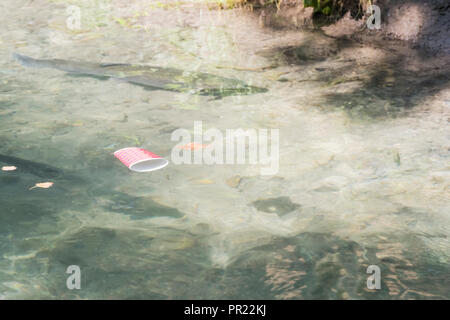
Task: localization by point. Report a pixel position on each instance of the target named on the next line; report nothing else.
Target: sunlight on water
(363, 177)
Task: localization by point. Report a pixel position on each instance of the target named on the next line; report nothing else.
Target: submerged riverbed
(363, 177)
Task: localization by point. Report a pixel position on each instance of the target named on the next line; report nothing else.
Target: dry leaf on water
(44, 185)
(9, 168)
(204, 181)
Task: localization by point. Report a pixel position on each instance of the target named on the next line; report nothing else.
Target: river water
(363, 173)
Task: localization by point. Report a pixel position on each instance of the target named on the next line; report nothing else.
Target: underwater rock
(313, 49)
(308, 266)
(305, 53)
(280, 205)
(202, 229)
(140, 207)
(323, 266)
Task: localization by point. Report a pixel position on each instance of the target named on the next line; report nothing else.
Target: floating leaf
(234, 181)
(9, 168)
(43, 185)
(77, 123)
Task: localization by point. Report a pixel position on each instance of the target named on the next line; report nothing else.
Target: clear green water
(363, 178)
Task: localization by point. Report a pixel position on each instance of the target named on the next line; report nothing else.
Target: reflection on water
(363, 176)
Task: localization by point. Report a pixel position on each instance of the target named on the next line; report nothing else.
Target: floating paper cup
(140, 160)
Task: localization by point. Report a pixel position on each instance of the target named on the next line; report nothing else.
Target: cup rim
(164, 163)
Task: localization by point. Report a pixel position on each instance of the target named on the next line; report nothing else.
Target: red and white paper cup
(140, 160)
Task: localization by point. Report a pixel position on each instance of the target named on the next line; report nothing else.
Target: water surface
(363, 177)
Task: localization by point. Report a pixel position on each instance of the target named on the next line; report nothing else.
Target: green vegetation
(328, 7)
(322, 6)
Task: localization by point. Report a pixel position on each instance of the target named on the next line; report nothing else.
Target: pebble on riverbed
(234, 181)
(280, 205)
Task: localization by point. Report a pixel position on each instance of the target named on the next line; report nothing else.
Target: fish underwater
(150, 77)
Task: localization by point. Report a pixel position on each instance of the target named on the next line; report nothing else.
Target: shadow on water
(376, 89)
(154, 263)
(29, 212)
(32, 221)
(389, 91)
(396, 78)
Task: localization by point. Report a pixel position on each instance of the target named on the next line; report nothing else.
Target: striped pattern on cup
(140, 160)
